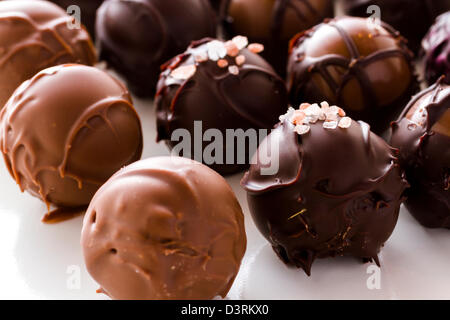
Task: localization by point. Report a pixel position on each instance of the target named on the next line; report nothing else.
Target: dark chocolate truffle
(34, 35)
(423, 136)
(337, 190)
(164, 228)
(225, 85)
(411, 17)
(436, 50)
(361, 65)
(136, 37)
(66, 131)
(274, 22)
(88, 11)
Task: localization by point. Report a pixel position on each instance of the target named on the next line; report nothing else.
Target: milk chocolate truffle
(274, 22)
(88, 11)
(137, 36)
(436, 50)
(66, 131)
(164, 228)
(359, 64)
(423, 136)
(336, 191)
(219, 86)
(411, 18)
(34, 35)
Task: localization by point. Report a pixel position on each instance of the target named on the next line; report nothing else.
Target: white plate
(40, 261)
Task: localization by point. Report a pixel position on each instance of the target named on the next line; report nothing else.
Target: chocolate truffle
(361, 65)
(66, 131)
(411, 17)
(337, 190)
(88, 11)
(436, 50)
(423, 136)
(164, 228)
(136, 37)
(34, 35)
(274, 22)
(219, 86)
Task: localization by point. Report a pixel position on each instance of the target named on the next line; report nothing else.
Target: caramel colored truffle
(422, 134)
(337, 190)
(66, 131)
(222, 86)
(164, 228)
(274, 22)
(363, 66)
(34, 35)
(136, 37)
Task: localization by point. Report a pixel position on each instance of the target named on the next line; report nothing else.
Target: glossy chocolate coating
(66, 131)
(254, 98)
(411, 17)
(33, 36)
(337, 192)
(363, 67)
(423, 136)
(436, 50)
(88, 11)
(274, 22)
(164, 228)
(136, 37)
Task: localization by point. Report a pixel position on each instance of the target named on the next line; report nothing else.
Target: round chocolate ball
(35, 35)
(360, 64)
(218, 86)
(164, 228)
(274, 22)
(411, 18)
(423, 136)
(66, 131)
(324, 185)
(88, 11)
(436, 50)
(136, 37)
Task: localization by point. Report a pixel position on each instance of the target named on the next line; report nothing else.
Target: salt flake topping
(307, 114)
(216, 50)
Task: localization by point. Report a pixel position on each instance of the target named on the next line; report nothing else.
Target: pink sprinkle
(183, 72)
(240, 60)
(232, 49)
(256, 47)
(222, 63)
(345, 122)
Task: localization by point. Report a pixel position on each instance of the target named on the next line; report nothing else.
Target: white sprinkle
(311, 119)
(240, 41)
(330, 124)
(345, 122)
(324, 105)
(288, 115)
(302, 129)
(183, 72)
(331, 116)
(216, 50)
(233, 70)
(201, 57)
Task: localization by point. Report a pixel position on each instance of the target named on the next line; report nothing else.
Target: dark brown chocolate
(136, 37)
(337, 192)
(239, 90)
(361, 65)
(274, 22)
(164, 228)
(411, 18)
(422, 134)
(34, 35)
(66, 131)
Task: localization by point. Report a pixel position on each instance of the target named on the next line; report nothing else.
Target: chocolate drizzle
(253, 98)
(35, 36)
(337, 71)
(164, 228)
(64, 153)
(337, 192)
(307, 13)
(422, 134)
